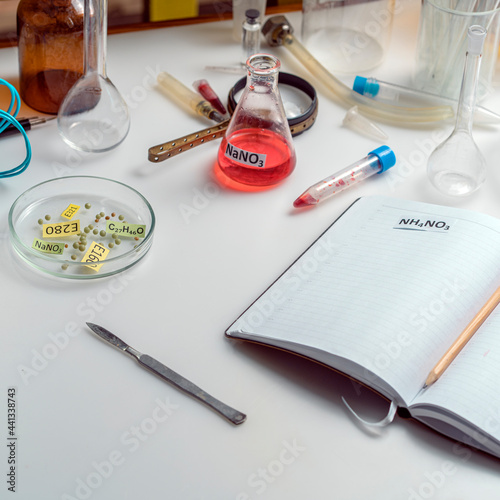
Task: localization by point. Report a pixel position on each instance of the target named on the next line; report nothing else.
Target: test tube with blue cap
(377, 161)
(390, 93)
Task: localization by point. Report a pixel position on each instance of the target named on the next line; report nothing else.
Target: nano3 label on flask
(245, 157)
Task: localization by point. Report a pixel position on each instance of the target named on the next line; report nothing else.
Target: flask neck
(95, 34)
(263, 71)
(468, 92)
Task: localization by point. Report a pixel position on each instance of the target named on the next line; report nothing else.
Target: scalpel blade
(108, 336)
(170, 376)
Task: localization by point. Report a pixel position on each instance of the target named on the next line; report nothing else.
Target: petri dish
(89, 245)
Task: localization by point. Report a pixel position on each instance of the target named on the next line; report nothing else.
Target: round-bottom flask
(94, 117)
(257, 150)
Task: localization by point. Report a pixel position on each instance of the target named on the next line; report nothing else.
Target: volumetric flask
(257, 150)
(94, 116)
(457, 167)
(442, 44)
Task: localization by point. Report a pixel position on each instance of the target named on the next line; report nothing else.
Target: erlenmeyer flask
(257, 150)
(94, 116)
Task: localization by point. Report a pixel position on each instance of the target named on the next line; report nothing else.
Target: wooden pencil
(463, 338)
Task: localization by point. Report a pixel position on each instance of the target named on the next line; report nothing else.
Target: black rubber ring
(293, 81)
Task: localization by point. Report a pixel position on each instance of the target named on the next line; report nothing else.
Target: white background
(214, 251)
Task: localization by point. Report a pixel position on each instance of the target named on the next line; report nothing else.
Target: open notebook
(381, 295)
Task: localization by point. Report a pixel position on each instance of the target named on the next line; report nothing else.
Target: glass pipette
(377, 161)
(405, 96)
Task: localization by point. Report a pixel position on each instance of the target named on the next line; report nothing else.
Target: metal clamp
(177, 146)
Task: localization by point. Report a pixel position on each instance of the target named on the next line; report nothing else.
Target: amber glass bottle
(50, 40)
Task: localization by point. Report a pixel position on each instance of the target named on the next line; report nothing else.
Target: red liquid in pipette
(279, 163)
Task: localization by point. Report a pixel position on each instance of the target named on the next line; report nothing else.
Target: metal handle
(179, 381)
(172, 148)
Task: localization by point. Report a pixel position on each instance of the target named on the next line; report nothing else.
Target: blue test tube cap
(386, 157)
(366, 86)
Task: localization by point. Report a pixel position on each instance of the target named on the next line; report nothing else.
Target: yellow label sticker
(126, 229)
(59, 229)
(70, 211)
(44, 246)
(95, 253)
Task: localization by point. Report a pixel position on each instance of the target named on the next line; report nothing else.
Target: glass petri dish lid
(81, 227)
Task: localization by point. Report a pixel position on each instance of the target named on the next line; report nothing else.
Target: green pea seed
(64, 266)
(114, 236)
(111, 244)
(91, 226)
(88, 205)
(48, 217)
(73, 257)
(81, 248)
(95, 231)
(102, 214)
(102, 233)
(40, 221)
(118, 241)
(75, 245)
(121, 217)
(87, 230)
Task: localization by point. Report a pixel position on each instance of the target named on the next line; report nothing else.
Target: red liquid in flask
(240, 158)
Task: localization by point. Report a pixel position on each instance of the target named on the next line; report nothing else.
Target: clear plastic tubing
(371, 109)
(405, 96)
(377, 161)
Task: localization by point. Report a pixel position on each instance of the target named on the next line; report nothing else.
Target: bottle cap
(386, 157)
(252, 15)
(366, 86)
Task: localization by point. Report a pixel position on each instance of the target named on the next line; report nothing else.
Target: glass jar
(50, 40)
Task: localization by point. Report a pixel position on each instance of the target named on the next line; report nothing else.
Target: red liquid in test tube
(376, 162)
(208, 93)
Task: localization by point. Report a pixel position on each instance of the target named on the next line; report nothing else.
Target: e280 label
(61, 229)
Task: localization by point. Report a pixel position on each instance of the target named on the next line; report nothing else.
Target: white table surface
(92, 424)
